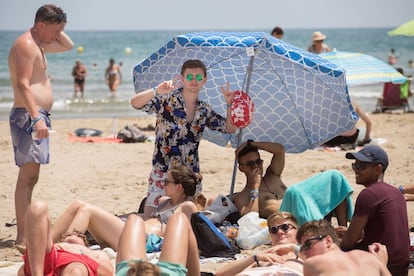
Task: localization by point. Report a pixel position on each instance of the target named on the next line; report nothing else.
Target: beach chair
(391, 99)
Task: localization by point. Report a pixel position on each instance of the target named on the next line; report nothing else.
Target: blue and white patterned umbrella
(300, 99)
(363, 69)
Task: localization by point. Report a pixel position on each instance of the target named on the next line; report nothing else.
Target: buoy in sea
(128, 50)
(80, 49)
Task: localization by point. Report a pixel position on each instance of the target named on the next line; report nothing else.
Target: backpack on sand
(131, 134)
(211, 241)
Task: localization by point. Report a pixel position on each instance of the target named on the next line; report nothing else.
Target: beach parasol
(300, 99)
(363, 69)
(406, 29)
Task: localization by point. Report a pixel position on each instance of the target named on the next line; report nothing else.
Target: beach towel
(93, 139)
(316, 197)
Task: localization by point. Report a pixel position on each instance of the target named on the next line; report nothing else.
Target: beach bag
(221, 208)
(241, 109)
(211, 241)
(253, 231)
(131, 134)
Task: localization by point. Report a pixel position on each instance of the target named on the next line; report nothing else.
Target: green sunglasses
(198, 77)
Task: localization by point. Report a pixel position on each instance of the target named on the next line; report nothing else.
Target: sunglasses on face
(285, 227)
(308, 244)
(75, 233)
(198, 77)
(360, 166)
(166, 182)
(253, 163)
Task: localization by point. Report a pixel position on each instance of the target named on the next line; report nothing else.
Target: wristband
(229, 105)
(35, 120)
(256, 260)
(401, 188)
(154, 89)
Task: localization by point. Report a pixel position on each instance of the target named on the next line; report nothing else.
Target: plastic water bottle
(114, 126)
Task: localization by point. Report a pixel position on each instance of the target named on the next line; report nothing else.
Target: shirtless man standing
(79, 73)
(268, 188)
(33, 100)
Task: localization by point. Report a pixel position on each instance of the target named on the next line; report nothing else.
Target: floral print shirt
(177, 140)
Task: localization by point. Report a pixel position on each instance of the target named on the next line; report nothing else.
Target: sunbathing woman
(180, 186)
(282, 228)
(69, 256)
(179, 253)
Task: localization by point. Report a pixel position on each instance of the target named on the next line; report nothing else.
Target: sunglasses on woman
(75, 233)
(285, 227)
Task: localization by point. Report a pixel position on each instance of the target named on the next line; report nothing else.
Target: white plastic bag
(220, 209)
(253, 231)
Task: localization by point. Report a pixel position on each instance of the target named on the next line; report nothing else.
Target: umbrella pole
(246, 84)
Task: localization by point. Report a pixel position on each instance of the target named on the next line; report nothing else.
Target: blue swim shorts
(27, 150)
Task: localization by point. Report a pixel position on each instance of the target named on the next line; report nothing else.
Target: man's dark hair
(317, 227)
(50, 14)
(277, 30)
(194, 63)
(248, 148)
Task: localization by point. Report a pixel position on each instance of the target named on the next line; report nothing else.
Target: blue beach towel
(316, 197)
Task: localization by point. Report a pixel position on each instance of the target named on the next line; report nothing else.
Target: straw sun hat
(318, 36)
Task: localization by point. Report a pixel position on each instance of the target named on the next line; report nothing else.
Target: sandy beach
(114, 175)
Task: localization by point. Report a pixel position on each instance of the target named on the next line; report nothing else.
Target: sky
(213, 14)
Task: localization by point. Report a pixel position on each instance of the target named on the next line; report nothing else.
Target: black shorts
(79, 81)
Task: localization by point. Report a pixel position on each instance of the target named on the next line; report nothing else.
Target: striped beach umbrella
(300, 100)
(363, 69)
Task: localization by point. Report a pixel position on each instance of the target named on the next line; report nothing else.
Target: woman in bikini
(282, 228)
(113, 76)
(106, 228)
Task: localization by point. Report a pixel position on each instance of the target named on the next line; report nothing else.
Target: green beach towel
(404, 89)
(316, 197)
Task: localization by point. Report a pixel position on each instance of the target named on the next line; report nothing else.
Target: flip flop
(11, 224)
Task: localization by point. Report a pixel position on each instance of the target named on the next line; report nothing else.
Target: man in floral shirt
(180, 121)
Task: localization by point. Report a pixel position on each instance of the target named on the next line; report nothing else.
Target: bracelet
(35, 120)
(229, 105)
(154, 89)
(256, 260)
(401, 188)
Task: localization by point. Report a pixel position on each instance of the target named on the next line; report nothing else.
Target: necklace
(42, 50)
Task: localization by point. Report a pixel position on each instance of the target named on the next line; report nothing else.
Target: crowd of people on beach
(370, 237)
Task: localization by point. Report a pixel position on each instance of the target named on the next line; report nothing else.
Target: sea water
(131, 47)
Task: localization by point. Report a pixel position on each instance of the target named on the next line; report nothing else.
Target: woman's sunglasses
(76, 233)
(285, 227)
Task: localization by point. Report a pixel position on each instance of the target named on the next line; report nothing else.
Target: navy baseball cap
(370, 154)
